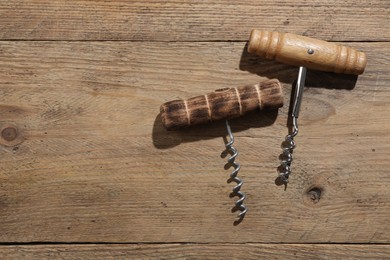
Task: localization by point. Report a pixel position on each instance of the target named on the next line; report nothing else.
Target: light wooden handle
(221, 104)
(308, 52)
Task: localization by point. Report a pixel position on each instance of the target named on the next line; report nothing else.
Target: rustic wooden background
(86, 169)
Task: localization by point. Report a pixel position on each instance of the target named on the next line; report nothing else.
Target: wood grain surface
(94, 163)
(197, 251)
(88, 171)
(204, 20)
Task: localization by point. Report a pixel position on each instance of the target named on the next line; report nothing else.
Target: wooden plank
(160, 20)
(91, 162)
(197, 251)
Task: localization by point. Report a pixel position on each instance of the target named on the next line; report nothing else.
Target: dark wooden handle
(308, 52)
(221, 104)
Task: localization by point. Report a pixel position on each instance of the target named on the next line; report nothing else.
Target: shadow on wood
(288, 74)
(163, 139)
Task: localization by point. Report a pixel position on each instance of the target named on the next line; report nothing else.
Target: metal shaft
(298, 92)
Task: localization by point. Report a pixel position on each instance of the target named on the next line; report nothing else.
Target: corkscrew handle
(308, 52)
(221, 104)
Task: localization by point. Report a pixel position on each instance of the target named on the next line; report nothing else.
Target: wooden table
(87, 170)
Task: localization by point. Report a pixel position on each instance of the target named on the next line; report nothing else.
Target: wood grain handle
(221, 104)
(308, 52)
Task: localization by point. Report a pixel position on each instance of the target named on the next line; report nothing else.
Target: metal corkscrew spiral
(236, 191)
(289, 144)
(287, 158)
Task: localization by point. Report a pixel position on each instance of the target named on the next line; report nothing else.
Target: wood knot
(9, 133)
(313, 195)
(10, 136)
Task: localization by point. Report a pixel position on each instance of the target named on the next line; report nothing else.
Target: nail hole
(310, 51)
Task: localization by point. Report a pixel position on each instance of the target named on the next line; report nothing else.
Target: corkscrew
(221, 104)
(307, 53)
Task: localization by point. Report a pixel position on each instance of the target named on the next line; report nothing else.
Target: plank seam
(184, 243)
(173, 41)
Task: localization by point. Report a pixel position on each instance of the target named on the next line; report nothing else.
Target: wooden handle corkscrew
(221, 104)
(308, 52)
